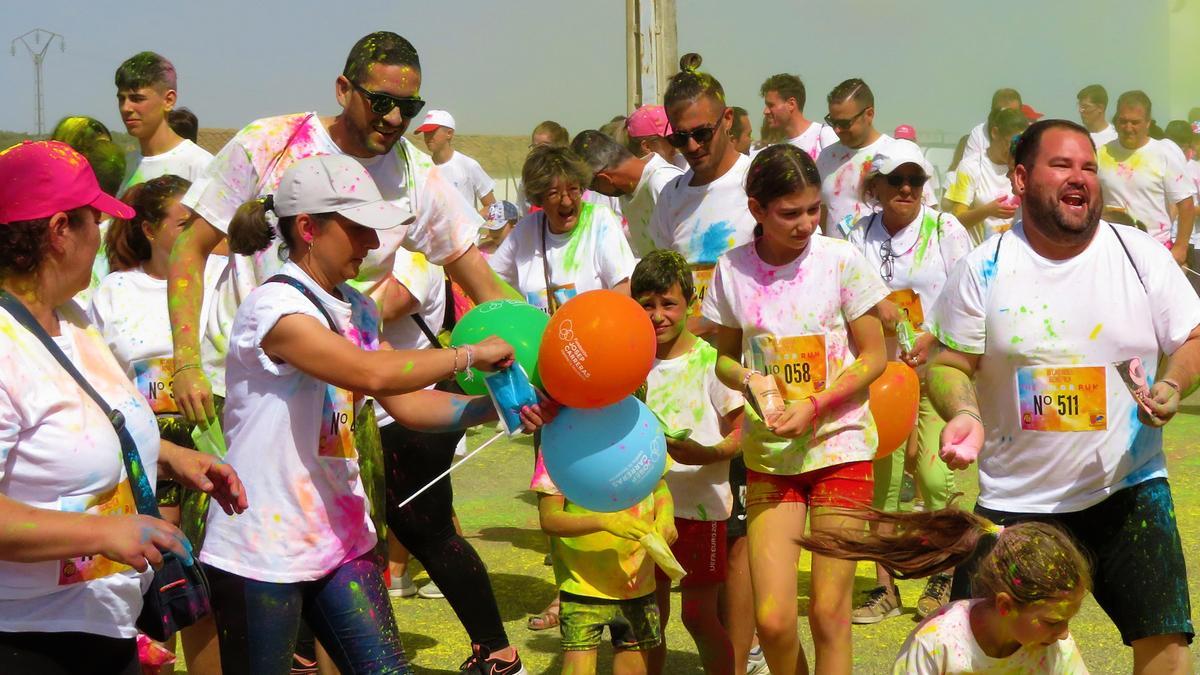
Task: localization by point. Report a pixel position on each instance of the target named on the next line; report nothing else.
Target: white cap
(896, 154)
(435, 119)
(336, 184)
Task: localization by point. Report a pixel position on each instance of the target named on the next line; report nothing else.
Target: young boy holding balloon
(700, 416)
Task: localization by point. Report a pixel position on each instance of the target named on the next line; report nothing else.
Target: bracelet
(1172, 384)
(454, 370)
(470, 374)
(969, 413)
(186, 366)
(746, 378)
(811, 398)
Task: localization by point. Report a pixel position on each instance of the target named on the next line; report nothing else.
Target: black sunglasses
(703, 135)
(382, 104)
(844, 124)
(914, 181)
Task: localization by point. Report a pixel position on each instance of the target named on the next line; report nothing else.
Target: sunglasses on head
(702, 135)
(914, 181)
(382, 104)
(844, 124)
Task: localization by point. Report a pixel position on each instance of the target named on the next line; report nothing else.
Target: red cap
(1030, 113)
(41, 178)
(906, 132)
(648, 120)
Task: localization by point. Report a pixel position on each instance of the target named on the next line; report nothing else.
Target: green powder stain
(928, 226)
(571, 260)
(408, 367)
(1050, 329)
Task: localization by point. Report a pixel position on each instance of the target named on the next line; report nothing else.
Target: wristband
(969, 413)
(470, 375)
(816, 411)
(186, 366)
(746, 378)
(1170, 383)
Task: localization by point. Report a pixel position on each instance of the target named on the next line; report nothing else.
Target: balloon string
(451, 469)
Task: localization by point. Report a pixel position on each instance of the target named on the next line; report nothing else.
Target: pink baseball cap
(41, 178)
(648, 120)
(905, 132)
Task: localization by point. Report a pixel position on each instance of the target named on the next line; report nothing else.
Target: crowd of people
(269, 327)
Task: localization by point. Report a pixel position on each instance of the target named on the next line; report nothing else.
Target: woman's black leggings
(426, 528)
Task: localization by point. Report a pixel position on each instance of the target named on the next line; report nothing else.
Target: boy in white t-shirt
(844, 164)
(700, 416)
(464, 172)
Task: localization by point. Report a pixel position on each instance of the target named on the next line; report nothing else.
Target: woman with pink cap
(75, 555)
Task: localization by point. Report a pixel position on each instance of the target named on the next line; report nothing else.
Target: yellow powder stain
(1096, 331)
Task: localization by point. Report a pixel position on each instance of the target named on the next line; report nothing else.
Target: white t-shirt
(59, 452)
(815, 139)
(979, 181)
(1193, 170)
(593, 255)
(638, 206)
(252, 164)
(945, 643)
(795, 322)
(977, 142)
(842, 172)
(290, 439)
(1051, 331)
(186, 160)
(923, 254)
(703, 221)
(468, 177)
(427, 283)
(1145, 182)
(686, 394)
(1106, 135)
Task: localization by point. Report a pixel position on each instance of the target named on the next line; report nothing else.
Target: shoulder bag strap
(312, 297)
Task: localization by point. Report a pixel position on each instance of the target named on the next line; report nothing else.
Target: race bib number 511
(1062, 398)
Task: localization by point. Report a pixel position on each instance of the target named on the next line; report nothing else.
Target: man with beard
(378, 91)
(1052, 320)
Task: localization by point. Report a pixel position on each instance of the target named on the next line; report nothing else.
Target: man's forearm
(951, 391)
(478, 280)
(1183, 367)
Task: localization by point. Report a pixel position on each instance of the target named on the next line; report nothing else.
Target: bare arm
(953, 396)
(185, 295)
(438, 411)
(730, 371)
(1187, 216)
(471, 271)
(556, 522)
(690, 452)
(1183, 369)
(394, 300)
(488, 199)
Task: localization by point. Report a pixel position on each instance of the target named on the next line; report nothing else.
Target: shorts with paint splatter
(633, 625)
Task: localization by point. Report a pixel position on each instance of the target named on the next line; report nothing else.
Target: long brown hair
(1029, 561)
(125, 242)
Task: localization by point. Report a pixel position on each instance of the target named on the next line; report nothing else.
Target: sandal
(544, 621)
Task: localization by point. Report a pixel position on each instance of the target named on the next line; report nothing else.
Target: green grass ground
(500, 520)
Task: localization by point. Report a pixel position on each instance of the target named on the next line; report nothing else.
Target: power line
(38, 51)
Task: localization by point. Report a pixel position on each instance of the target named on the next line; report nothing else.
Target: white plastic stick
(1191, 271)
(451, 469)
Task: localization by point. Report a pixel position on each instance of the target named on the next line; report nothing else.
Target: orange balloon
(894, 400)
(597, 349)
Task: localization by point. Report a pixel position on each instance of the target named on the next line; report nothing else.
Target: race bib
(561, 295)
(119, 502)
(1062, 398)
(702, 276)
(153, 379)
(337, 425)
(797, 363)
(909, 304)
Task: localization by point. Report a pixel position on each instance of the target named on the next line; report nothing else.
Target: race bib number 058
(797, 363)
(1062, 398)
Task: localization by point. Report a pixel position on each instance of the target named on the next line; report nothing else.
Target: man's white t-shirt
(59, 452)
(1145, 182)
(427, 284)
(638, 206)
(795, 322)
(186, 160)
(252, 164)
(815, 139)
(842, 171)
(686, 394)
(291, 442)
(1062, 431)
(945, 643)
(703, 221)
(1106, 135)
(593, 255)
(980, 181)
(468, 177)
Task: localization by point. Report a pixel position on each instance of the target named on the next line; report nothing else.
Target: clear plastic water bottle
(906, 335)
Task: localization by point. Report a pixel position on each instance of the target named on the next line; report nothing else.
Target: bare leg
(737, 608)
(656, 659)
(1165, 654)
(774, 531)
(702, 620)
(629, 662)
(829, 613)
(581, 662)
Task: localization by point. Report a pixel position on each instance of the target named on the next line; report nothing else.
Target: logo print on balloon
(566, 331)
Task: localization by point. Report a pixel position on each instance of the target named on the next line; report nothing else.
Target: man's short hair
(558, 133)
(737, 127)
(787, 86)
(382, 47)
(599, 150)
(146, 69)
(1006, 95)
(1095, 94)
(852, 89)
(689, 85)
(1026, 151)
(1135, 97)
(184, 123)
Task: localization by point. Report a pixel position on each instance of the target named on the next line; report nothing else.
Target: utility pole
(38, 51)
(651, 50)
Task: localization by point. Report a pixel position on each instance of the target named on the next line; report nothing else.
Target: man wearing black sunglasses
(379, 93)
(842, 165)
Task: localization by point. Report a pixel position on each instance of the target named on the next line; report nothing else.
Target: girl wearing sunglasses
(913, 247)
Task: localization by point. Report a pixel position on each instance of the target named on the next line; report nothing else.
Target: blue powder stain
(710, 244)
(987, 273)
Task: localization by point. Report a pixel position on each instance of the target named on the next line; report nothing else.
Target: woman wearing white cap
(303, 354)
(914, 247)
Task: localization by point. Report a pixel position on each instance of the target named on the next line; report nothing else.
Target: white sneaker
(402, 587)
(756, 664)
(430, 591)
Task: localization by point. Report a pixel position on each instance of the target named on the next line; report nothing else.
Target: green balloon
(518, 323)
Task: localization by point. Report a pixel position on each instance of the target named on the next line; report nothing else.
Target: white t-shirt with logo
(593, 255)
(795, 321)
(638, 206)
(186, 160)
(59, 452)
(290, 438)
(703, 221)
(1106, 135)
(686, 394)
(842, 171)
(468, 177)
(1062, 432)
(1145, 182)
(979, 181)
(252, 164)
(815, 139)
(945, 643)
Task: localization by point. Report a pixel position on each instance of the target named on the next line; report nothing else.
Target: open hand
(962, 439)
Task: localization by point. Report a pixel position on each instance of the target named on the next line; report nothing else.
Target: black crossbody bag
(179, 594)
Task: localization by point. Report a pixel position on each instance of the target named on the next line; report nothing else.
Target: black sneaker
(483, 663)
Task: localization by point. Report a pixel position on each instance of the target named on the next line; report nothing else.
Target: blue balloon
(605, 459)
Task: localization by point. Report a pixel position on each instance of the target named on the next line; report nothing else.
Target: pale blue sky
(501, 67)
